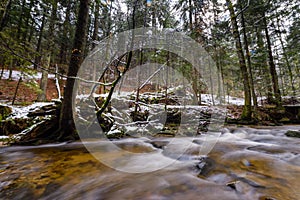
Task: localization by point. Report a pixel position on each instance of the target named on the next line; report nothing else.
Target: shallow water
(246, 163)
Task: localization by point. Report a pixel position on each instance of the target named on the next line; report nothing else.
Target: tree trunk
(119, 78)
(16, 90)
(46, 67)
(38, 46)
(27, 16)
(286, 58)
(96, 25)
(20, 20)
(65, 37)
(5, 15)
(2, 71)
(190, 15)
(10, 68)
(31, 32)
(153, 16)
(246, 46)
(167, 81)
(44, 80)
(247, 111)
(57, 82)
(281, 76)
(272, 66)
(136, 107)
(66, 122)
(263, 66)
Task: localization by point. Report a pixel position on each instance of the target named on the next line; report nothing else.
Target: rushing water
(246, 163)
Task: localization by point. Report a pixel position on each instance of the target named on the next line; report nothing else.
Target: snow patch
(25, 76)
(21, 112)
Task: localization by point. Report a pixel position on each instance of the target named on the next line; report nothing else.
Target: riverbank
(35, 124)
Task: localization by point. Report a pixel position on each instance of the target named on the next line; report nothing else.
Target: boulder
(38, 133)
(291, 133)
(15, 125)
(23, 118)
(5, 111)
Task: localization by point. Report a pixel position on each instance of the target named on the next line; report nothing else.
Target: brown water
(246, 163)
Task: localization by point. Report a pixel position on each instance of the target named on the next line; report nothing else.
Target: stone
(39, 133)
(5, 111)
(291, 133)
(15, 125)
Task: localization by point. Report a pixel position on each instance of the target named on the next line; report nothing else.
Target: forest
(127, 87)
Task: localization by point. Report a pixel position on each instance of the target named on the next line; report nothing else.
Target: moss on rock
(5, 111)
(293, 134)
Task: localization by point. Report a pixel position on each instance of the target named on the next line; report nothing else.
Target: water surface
(246, 163)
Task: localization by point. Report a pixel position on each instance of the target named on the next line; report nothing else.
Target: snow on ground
(25, 76)
(21, 112)
(208, 99)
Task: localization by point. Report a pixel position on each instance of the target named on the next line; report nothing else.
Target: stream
(246, 163)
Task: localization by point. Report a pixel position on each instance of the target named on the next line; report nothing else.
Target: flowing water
(246, 163)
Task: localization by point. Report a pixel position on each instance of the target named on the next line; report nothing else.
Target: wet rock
(246, 163)
(165, 133)
(247, 181)
(18, 191)
(51, 188)
(173, 116)
(291, 133)
(159, 143)
(266, 198)
(139, 115)
(206, 165)
(4, 111)
(115, 134)
(105, 122)
(51, 109)
(15, 125)
(232, 184)
(25, 117)
(285, 120)
(38, 133)
(293, 113)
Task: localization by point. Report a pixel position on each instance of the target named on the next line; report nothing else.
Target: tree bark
(20, 20)
(247, 111)
(96, 25)
(48, 52)
(38, 46)
(66, 123)
(65, 37)
(190, 15)
(27, 16)
(246, 46)
(272, 66)
(5, 15)
(286, 58)
(44, 79)
(263, 66)
(16, 90)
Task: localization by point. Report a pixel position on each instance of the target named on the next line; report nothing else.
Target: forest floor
(26, 93)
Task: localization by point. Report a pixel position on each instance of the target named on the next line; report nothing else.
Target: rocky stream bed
(245, 163)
